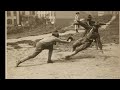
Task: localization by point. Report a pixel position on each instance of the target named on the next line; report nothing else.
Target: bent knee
(75, 44)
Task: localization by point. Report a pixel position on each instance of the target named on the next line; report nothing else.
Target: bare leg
(74, 47)
(96, 43)
(29, 57)
(99, 44)
(72, 54)
(49, 56)
(82, 47)
(76, 44)
(76, 28)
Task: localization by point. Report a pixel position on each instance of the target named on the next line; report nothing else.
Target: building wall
(52, 15)
(46, 14)
(16, 19)
(12, 18)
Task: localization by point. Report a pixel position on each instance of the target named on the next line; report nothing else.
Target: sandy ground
(88, 64)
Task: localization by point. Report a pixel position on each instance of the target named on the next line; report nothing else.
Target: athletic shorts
(42, 46)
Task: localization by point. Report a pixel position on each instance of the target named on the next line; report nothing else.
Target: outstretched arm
(62, 41)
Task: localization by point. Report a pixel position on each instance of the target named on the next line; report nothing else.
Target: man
(46, 43)
(88, 22)
(96, 35)
(76, 21)
(82, 44)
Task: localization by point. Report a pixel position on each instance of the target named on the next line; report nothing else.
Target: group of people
(90, 35)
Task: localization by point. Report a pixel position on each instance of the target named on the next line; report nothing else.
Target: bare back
(47, 41)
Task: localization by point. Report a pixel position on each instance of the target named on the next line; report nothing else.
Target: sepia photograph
(62, 45)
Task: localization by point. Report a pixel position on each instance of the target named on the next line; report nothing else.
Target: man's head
(89, 17)
(77, 13)
(55, 33)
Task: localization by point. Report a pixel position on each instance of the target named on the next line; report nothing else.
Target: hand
(70, 39)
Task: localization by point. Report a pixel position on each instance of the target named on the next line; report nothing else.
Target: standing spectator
(76, 21)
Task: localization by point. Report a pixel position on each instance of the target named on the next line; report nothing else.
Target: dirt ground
(88, 64)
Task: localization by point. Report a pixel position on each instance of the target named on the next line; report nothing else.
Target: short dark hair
(77, 13)
(55, 33)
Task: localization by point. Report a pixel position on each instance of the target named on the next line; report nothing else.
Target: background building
(16, 17)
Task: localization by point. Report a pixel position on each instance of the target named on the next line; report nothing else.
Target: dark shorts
(95, 35)
(43, 46)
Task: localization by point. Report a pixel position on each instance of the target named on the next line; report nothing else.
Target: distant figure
(45, 43)
(76, 21)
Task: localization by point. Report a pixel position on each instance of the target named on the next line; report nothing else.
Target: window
(8, 13)
(9, 21)
(15, 22)
(14, 13)
(23, 12)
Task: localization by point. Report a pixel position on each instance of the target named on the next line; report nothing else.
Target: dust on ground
(88, 64)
